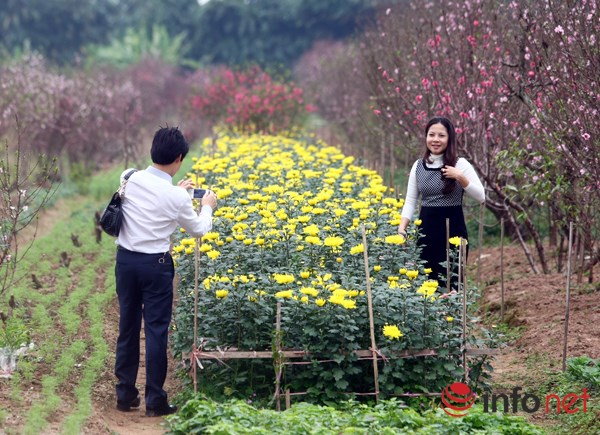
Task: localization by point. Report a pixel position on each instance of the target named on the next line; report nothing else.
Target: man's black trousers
(145, 289)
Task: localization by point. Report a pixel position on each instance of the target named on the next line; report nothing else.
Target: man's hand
(186, 184)
(210, 198)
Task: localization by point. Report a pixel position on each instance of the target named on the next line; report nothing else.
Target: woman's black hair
(450, 153)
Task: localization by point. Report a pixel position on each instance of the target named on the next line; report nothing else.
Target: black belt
(162, 255)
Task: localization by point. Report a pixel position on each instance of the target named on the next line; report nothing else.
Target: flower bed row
(289, 229)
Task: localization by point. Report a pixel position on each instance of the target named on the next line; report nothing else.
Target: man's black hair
(167, 145)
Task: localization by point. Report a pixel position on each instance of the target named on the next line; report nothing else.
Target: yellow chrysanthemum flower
(358, 249)
(310, 291)
(213, 254)
(396, 239)
(418, 222)
(283, 278)
(449, 318)
(212, 235)
(392, 332)
(456, 240)
(285, 294)
(349, 304)
(334, 241)
(320, 302)
(412, 274)
(313, 240)
(221, 294)
(304, 274)
(311, 230)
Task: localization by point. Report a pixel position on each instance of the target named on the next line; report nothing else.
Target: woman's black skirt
(433, 228)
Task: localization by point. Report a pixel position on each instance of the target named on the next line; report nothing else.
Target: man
(152, 209)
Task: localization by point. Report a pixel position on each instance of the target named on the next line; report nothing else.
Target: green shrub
(288, 230)
(386, 417)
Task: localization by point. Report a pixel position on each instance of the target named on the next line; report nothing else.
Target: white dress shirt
(153, 208)
(474, 189)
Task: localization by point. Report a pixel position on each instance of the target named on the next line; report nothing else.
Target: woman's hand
(455, 174)
(451, 172)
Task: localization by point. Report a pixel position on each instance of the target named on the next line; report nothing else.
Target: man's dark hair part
(167, 145)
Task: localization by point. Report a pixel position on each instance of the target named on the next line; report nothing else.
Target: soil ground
(534, 306)
(106, 418)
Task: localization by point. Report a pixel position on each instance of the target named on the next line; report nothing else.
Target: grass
(72, 358)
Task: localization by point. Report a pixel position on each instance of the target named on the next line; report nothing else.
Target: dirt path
(106, 418)
(536, 305)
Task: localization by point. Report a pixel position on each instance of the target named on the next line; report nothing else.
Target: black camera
(199, 193)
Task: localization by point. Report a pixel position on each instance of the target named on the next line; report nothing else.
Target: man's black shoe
(161, 410)
(126, 406)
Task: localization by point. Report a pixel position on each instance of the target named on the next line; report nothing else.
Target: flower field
(289, 229)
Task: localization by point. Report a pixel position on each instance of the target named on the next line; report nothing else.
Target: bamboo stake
(361, 354)
(371, 321)
(392, 161)
(480, 244)
(448, 255)
(288, 399)
(196, 276)
(463, 275)
(278, 350)
(564, 357)
(502, 269)
(382, 157)
(580, 258)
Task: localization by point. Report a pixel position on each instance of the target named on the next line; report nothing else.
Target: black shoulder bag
(112, 217)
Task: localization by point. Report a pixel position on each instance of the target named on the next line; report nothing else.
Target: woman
(440, 178)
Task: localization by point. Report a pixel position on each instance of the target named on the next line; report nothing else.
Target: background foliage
(218, 31)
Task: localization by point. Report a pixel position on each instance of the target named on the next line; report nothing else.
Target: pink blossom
(559, 29)
(585, 136)
(377, 112)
